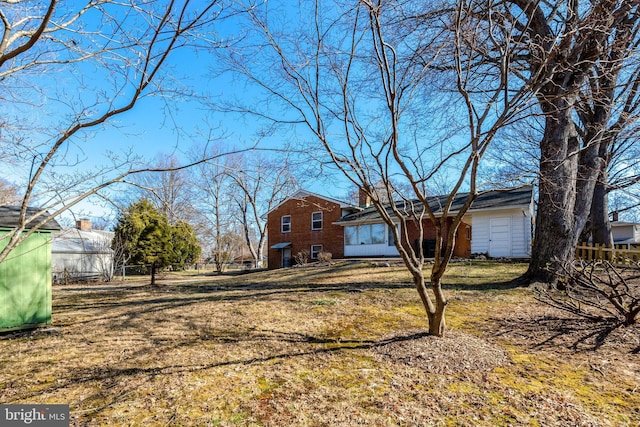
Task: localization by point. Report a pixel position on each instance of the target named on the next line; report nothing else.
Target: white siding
(623, 232)
(520, 231)
(81, 265)
(82, 253)
(370, 250)
(480, 234)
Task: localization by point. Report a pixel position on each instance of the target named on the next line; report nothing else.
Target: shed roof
(490, 200)
(10, 218)
(72, 240)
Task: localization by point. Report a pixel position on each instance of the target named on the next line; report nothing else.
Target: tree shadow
(574, 333)
(110, 376)
(127, 302)
(145, 299)
(492, 286)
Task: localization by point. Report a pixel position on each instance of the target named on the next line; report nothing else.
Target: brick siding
(301, 236)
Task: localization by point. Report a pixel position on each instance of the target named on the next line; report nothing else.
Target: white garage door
(500, 237)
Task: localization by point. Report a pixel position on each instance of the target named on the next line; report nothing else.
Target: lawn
(322, 346)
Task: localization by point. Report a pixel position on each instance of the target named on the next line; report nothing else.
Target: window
(368, 234)
(364, 235)
(286, 223)
(377, 234)
(351, 235)
(316, 221)
(315, 250)
(468, 232)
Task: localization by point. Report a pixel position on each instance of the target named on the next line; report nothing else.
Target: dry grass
(322, 346)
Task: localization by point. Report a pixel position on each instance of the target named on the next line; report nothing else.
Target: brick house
(499, 224)
(305, 221)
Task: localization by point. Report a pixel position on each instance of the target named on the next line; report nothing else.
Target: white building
(625, 233)
(81, 253)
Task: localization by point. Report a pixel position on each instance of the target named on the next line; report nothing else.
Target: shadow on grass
(127, 302)
(491, 286)
(146, 300)
(577, 334)
(109, 376)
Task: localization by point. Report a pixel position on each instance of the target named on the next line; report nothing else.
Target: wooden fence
(616, 254)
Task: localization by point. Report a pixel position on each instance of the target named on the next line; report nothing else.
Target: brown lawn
(322, 346)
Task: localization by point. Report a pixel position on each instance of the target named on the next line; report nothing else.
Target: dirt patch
(455, 353)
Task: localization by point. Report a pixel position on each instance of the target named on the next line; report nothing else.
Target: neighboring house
(80, 253)
(25, 275)
(625, 233)
(305, 221)
(244, 258)
(499, 224)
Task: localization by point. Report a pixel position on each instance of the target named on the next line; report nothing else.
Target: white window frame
(287, 224)
(313, 221)
(360, 233)
(314, 254)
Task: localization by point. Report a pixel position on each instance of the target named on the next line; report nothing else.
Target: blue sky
(170, 125)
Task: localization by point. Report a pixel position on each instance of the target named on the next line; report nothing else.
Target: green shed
(25, 275)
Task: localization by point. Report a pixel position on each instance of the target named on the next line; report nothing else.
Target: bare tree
(170, 190)
(263, 182)
(214, 203)
(599, 291)
(8, 192)
(610, 107)
(559, 45)
(79, 67)
(120, 256)
(226, 248)
(359, 77)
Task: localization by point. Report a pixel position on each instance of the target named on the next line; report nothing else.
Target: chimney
(364, 201)
(83, 224)
(614, 216)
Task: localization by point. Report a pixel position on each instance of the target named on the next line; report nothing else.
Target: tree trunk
(435, 313)
(555, 235)
(585, 236)
(437, 323)
(600, 224)
(153, 274)
(260, 250)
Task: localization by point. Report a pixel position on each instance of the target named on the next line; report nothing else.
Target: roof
(301, 194)
(490, 200)
(281, 245)
(10, 218)
(72, 240)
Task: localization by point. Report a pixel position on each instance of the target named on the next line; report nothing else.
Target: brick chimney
(83, 224)
(364, 201)
(614, 216)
